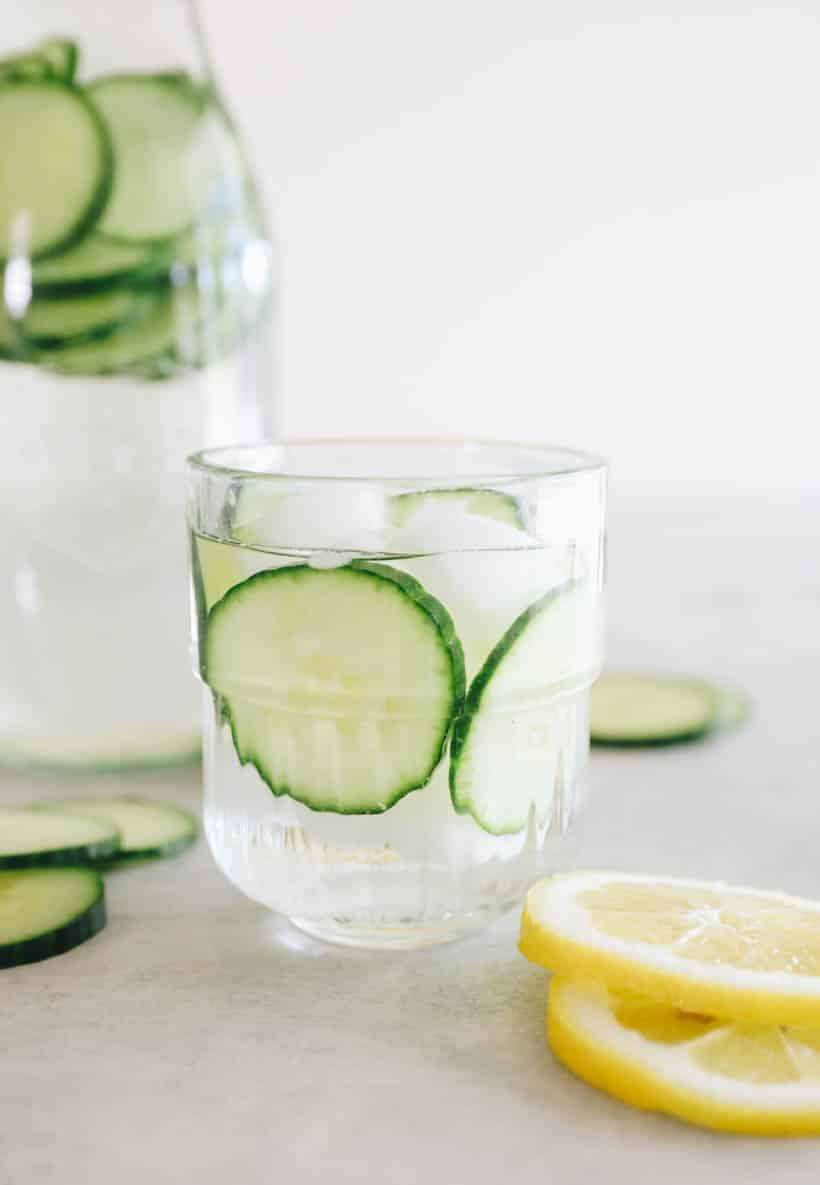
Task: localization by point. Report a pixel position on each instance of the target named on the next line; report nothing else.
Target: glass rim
(575, 461)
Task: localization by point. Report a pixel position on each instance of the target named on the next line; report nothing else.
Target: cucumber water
(353, 753)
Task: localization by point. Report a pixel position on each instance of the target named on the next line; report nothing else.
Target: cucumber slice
(56, 58)
(220, 566)
(46, 911)
(638, 709)
(130, 350)
(61, 57)
(93, 265)
(58, 323)
(146, 829)
(339, 685)
(493, 504)
(26, 840)
(506, 742)
(58, 167)
(174, 155)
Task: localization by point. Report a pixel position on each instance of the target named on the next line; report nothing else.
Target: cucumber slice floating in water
(146, 829)
(61, 56)
(339, 685)
(57, 175)
(173, 155)
(95, 264)
(55, 58)
(131, 349)
(28, 840)
(47, 911)
(59, 323)
(491, 504)
(511, 708)
(645, 709)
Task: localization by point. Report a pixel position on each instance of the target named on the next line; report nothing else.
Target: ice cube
(336, 517)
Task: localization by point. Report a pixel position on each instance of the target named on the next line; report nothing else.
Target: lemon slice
(745, 954)
(760, 1079)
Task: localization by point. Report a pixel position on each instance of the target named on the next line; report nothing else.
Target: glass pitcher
(134, 327)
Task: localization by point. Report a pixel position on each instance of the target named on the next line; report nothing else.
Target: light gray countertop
(201, 1040)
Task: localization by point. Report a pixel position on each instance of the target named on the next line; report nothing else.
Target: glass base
(403, 936)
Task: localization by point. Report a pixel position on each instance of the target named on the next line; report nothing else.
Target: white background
(589, 221)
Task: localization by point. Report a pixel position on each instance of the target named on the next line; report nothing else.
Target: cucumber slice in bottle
(644, 709)
(93, 265)
(58, 167)
(147, 829)
(47, 911)
(59, 323)
(339, 685)
(506, 712)
(55, 58)
(134, 347)
(61, 57)
(28, 840)
(491, 504)
(173, 154)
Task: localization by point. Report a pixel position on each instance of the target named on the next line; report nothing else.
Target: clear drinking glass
(396, 641)
(134, 327)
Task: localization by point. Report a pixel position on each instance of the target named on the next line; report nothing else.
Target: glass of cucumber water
(396, 641)
(136, 278)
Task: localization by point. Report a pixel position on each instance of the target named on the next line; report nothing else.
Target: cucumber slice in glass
(492, 504)
(645, 709)
(46, 911)
(27, 840)
(339, 684)
(506, 712)
(220, 566)
(146, 829)
(174, 155)
(58, 167)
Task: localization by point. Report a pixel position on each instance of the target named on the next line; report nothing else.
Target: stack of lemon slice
(681, 996)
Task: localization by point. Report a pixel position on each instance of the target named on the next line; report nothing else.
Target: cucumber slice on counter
(511, 708)
(28, 840)
(95, 264)
(172, 151)
(339, 684)
(58, 167)
(58, 323)
(485, 503)
(146, 829)
(46, 911)
(644, 709)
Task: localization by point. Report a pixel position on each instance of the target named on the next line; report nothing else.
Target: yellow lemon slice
(745, 954)
(759, 1079)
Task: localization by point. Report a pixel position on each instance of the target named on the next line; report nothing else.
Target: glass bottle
(134, 327)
